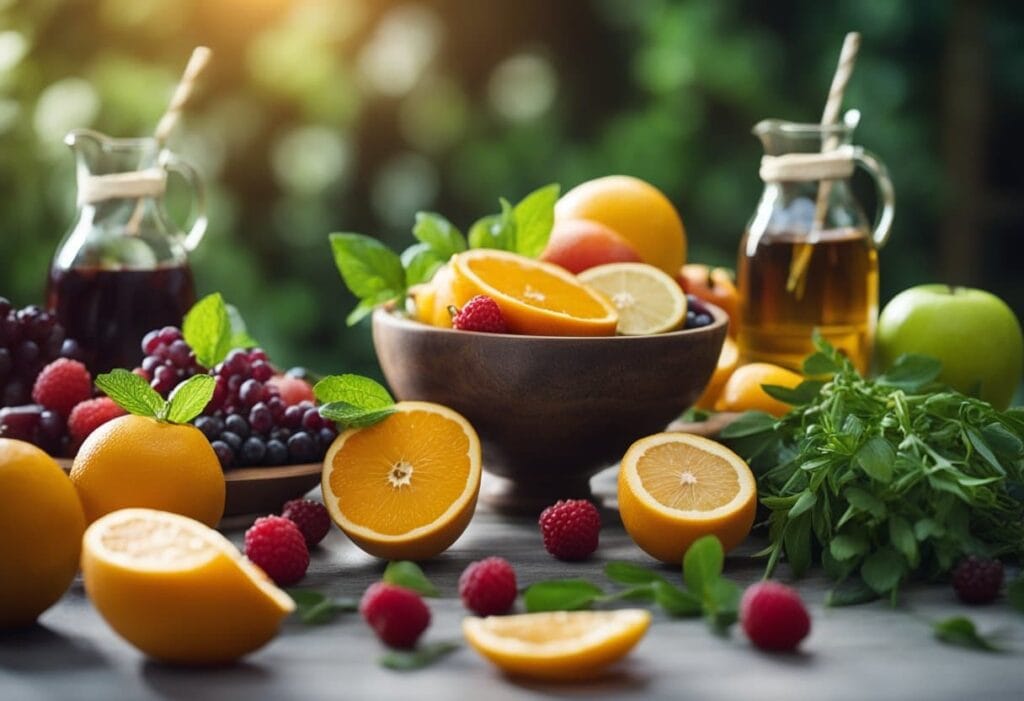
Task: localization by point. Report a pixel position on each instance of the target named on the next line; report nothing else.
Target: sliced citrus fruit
(676, 487)
(178, 590)
(647, 299)
(561, 645)
(537, 298)
(728, 359)
(404, 488)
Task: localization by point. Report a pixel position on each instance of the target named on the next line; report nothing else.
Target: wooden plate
(260, 490)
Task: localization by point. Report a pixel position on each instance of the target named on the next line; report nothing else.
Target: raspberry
(277, 546)
(89, 415)
(773, 616)
(977, 580)
(397, 615)
(310, 516)
(488, 587)
(570, 529)
(480, 314)
(61, 385)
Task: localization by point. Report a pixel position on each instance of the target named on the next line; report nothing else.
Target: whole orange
(581, 244)
(743, 391)
(634, 209)
(137, 461)
(42, 524)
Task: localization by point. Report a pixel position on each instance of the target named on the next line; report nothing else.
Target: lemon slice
(647, 299)
(177, 589)
(562, 645)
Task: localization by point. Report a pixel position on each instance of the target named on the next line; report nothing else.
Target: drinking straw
(182, 94)
(802, 254)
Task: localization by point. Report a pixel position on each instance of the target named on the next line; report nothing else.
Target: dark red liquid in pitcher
(109, 311)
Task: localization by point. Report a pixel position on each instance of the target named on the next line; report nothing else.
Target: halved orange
(675, 488)
(537, 298)
(404, 488)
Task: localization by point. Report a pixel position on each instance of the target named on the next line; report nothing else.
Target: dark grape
(169, 335)
(26, 355)
(6, 364)
(293, 417)
(164, 379)
(211, 426)
(312, 421)
(151, 363)
(237, 425)
(250, 392)
(253, 451)
(179, 353)
(703, 320)
(327, 436)
(260, 418)
(302, 448)
(234, 383)
(15, 394)
(277, 407)
(281, 434)
(277, 453)
(150, 341)
(5, 306)
(224, 454)
(257, 354)
(262, 371)
(20, 422)
(71, 349)
(233, 440)
(237, 363)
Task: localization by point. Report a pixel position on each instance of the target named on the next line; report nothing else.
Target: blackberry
(977, 580)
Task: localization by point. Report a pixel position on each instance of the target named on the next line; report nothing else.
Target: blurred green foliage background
(323, 115)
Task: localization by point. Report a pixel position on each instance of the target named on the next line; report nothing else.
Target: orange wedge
(404, 488)
(675, 488)
(728, 359)
(537, 298)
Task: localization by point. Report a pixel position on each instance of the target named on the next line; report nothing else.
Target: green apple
(975, 335)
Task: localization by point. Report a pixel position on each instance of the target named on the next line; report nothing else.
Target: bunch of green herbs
(884, 480)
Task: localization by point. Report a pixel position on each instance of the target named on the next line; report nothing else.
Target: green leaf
(797, 540)
(359, 391)
(961, 631)
(805, 502)
(371, 271)
(560, 595)
(675, 601)
(534, 217)
(420, 262)
(865, 501)
(207, 329)
(850, 593)
(314, 608)
(132, 393)
(439, 234)
(819, 364)
(901, 535)
(876, 458)
(883, 569)
(1015, 594)
(628, 573)
(305, 597)
(981, 447)
(702, 565)
(804, 393)
(748, 424)
(495, 231)
(423, 656)
(911, 372)
(349, 416)
(240, 337)
(724, 596)
(927, 528)
(188, 399)
(403, 573)
(846, 546)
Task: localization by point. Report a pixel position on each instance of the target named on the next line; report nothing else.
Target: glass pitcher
(122, 269)
(809, 257)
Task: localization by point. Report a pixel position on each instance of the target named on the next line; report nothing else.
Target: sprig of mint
(706, 592)
(315, 608)
(212, 328)
(423, 656)
(403, 573)
(134, 395)
(377, 275)
(961, 631)
(353, 401)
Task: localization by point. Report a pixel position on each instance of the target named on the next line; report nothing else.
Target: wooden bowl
(550, 411)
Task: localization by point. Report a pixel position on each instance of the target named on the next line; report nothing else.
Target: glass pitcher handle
(173, 164)
(886, 195)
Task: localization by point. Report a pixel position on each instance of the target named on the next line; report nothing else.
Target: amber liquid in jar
(837, 294)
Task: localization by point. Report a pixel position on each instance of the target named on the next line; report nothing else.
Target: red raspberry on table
(89, 415)
(773, 616)
(61, 385)
(480, 314)
(276, 545)
(310, 516)
(977, 580)
(397, 615)
(570, 528)
(488, 587)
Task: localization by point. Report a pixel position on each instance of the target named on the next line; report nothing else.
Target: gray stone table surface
(865, 652)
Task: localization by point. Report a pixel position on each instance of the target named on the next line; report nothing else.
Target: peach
(579, 244)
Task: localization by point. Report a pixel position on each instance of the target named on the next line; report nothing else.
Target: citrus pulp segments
(537, 298)
(561, 645)
(178, 590)
(648, 300)
(421, 541)
(665, 532)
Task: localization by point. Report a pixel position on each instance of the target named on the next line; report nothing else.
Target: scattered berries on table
(488, 587)
(277, 546)
(89, 415)
(397, 615)
(480, 314)
(570, 529)
(773, 616)
(977, 580)
(61, 385)
(310, 516)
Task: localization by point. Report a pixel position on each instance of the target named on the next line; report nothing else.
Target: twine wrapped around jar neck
(837, 164)
(151, 182)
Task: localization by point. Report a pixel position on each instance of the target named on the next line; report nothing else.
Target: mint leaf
(702, 565)
(420, 262)
(423, 656)
(850, 593)
(240, 337)
(806, 391)
(495, 231)
(132, 393)
(819, 364)
(403, 573)
(349, 416)
(534, 217)
(876, 458)
(961, 631)
(845, 547)
(628, 573)
(356, 390)
(439, 234)
(371, 271)
(883, 569)
(366, 307)
(314, 608)
(675, 601)
(560, 595)
(207, 329)
(188, 399)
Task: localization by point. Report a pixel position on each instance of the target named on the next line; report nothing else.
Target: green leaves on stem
(133, 394)
(353, 401)
(212, 328)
